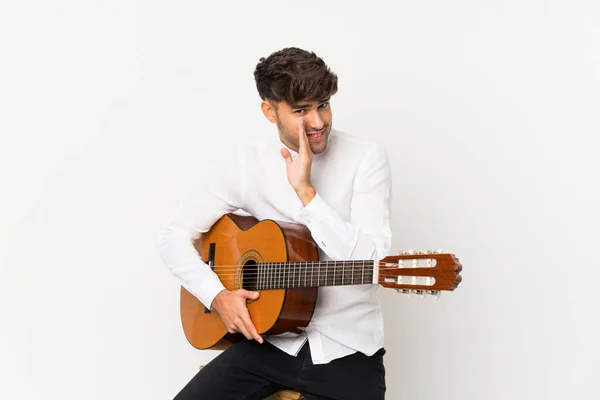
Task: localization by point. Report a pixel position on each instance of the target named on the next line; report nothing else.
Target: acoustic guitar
(280, 260)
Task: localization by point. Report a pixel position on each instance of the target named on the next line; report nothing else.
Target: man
(339, 186)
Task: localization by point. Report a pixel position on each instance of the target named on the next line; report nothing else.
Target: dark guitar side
(240, 239)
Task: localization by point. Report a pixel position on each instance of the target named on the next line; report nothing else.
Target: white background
(110, 112)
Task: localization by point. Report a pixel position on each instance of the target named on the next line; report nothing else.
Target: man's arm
(367, 235)
(221, 194)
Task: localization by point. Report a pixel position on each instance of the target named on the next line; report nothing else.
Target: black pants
(252, 371)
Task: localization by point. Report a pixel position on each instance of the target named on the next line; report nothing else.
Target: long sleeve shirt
(349, 219)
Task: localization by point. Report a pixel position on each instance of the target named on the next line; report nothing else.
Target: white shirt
(349, 219)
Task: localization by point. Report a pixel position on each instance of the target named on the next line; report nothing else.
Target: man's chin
(320, 148)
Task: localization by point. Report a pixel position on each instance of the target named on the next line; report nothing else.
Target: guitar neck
(289, 275)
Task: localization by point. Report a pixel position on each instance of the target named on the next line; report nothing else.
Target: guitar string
(280, 274)
(297, 271)
(302, 270)
(329, 265)
(282, 281)
(279, 271)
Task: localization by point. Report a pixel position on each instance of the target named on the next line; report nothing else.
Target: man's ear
(268, 110)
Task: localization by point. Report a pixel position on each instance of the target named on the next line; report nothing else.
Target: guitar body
(238, 243)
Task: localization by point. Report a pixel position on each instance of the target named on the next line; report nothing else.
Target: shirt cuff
(314, 211)
(208, 290)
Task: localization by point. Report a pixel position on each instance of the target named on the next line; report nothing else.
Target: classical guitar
(280, 260)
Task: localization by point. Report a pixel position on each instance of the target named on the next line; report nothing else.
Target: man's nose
(315, 122)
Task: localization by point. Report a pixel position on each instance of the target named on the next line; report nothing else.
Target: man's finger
(287, 155)
(301, 126)
(304, 147)
(242, 329)
(251, 328)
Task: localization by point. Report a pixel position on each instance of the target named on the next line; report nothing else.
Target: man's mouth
(315, 135)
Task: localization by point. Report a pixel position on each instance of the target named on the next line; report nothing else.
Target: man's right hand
(231, 306)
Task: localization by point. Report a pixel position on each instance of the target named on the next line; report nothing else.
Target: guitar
(280, 260)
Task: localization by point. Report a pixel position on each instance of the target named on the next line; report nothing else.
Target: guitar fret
(306, 275)
(305, 271)
(363, 274)
(266, 279)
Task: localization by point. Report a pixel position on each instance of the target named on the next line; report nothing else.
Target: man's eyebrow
(300, 106)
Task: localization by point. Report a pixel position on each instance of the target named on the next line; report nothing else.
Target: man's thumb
(286, 154)
(250, 294)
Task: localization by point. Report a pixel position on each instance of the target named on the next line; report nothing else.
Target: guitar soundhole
(250, 276)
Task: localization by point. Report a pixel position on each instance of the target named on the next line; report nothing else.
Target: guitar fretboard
(310, 274)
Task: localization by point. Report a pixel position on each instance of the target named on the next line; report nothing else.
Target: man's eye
(324, 105)
(299, 111)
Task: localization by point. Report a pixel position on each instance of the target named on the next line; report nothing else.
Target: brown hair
(293, 75)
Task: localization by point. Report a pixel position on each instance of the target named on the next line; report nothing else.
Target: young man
(339, 186)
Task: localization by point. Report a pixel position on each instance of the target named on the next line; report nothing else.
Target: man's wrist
(306, 194)
(215, 303)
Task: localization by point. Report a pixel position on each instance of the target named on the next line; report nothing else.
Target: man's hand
(298, 171)
(231, 306)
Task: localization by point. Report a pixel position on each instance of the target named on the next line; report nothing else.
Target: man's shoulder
(263, 143)
(352, 143)
(252, 148)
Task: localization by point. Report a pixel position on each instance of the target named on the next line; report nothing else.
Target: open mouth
(315, 135)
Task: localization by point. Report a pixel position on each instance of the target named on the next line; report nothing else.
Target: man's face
(316, 117)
